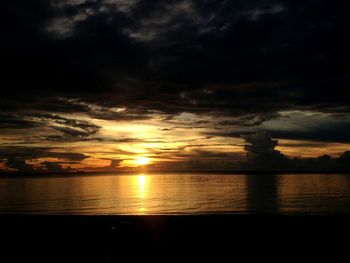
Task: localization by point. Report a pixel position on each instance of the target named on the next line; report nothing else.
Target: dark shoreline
(109, 237)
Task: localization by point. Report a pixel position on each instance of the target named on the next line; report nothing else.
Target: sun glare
(142, 161)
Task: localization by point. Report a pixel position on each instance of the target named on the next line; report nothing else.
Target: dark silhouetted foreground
(108, 238)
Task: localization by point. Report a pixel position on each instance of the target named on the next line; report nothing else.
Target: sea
(175, 194)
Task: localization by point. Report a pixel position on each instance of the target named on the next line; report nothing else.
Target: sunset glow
(142, 161)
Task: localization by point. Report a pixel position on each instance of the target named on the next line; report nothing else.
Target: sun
(142, 161)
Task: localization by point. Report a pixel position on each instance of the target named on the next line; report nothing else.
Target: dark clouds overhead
(222, 56)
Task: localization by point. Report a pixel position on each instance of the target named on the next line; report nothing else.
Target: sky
(115, 85)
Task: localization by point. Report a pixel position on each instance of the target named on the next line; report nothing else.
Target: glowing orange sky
(163, 143)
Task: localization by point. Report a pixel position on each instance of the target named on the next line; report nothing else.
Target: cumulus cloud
(262, 155)
(261, 152)
(115, 163)
(259, 143)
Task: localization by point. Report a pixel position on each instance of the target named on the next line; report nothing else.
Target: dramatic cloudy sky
(97, 85)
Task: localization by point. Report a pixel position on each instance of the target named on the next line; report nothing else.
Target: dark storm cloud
(247, 120)
(326, 134)
(98, 50)
(18, 157)
(18, 164)
(202, 154)
(70, 129)
(259, 143)
(318, 127)
(337, 133)
(262, 155)
(241, 62)
(230, 57)
(304, 144)
(15, 122)
(261, 152)
(31, 153)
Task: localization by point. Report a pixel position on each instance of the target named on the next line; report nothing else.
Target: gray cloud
(8, 121)
(30, 153)
(17, 157)
(69, 128)
(55, 167)
(262, 155)
(230, 63)
(261, 152)
(19, 164)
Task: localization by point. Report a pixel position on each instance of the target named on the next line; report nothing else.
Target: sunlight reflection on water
(176, 194)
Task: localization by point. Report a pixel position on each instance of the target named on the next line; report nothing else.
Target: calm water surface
(176, 194)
